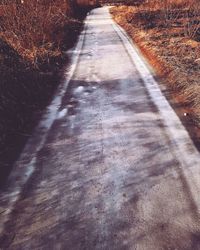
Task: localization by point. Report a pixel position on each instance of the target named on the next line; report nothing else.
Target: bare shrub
(186, 11)
(35, 29)
(192, 25)
(169, 13)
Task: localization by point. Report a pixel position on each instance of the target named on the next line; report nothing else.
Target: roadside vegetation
(34, 36)
(168, 34)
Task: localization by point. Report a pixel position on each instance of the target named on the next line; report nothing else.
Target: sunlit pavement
(116, 169)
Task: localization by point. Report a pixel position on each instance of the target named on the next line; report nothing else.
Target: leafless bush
(192, 24)
(171, 12)
(35, 28)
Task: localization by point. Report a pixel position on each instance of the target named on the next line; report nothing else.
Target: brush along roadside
(173, 49)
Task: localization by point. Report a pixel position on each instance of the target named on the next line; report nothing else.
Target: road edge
(26, 164)
(190, 176)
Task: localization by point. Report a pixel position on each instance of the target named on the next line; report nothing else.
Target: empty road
(110, 165)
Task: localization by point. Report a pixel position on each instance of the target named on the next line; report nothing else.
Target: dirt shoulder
(175, 58)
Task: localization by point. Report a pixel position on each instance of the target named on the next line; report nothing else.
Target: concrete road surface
(110, 166)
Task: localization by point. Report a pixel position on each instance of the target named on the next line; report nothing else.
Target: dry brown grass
(36, 29)
(168, 34)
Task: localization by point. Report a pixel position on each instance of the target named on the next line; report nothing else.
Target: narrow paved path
(117, 170)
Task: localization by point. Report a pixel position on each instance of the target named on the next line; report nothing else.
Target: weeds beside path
(173, 49)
